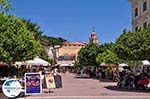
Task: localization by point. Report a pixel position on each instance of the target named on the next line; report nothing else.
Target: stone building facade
(140, 14)
(67, 53)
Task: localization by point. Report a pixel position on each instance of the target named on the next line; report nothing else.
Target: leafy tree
(87, 56)
(17, 43)
(107, 57)
(45, 41)
(106, 46)
(34, 28)
(5, 5)
(134, 46)
(52, 41)
(106, 54)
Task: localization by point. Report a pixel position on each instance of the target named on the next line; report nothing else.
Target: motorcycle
(143, 83)
(126, 82)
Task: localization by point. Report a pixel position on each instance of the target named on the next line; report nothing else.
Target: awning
(123, 64)
(37, 61)
(146, 62)
(64, 65)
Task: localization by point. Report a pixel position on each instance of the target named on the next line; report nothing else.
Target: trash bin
(58, 81)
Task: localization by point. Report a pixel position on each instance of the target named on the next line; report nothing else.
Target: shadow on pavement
(107, 80)
(84, 76)
(114, 88)
(78, 77)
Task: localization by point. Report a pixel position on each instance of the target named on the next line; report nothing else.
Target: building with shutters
(140, 14)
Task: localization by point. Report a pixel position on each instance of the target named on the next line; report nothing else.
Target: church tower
(93, 38)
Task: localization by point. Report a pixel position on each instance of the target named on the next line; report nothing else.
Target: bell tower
(93, 38)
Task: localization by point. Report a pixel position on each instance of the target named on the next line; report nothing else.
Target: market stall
(109, 71)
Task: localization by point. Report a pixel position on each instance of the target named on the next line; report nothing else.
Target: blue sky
(74, 19)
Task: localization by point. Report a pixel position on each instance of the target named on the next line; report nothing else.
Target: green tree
(106, 54)
(37, 33)
(45, 41)
(5, 5)
(17, 43)
(52, 41)
(106, 46)
(107, 57)
(34, 28)
(134, 46)
(87, 56)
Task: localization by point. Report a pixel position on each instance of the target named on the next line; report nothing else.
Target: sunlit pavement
(85, 88)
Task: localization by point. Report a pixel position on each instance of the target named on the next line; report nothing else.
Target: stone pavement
(85, 88)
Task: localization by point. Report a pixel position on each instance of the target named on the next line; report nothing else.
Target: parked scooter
(143, 83)
(126, 82)
(121, 79)
(129, 83)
